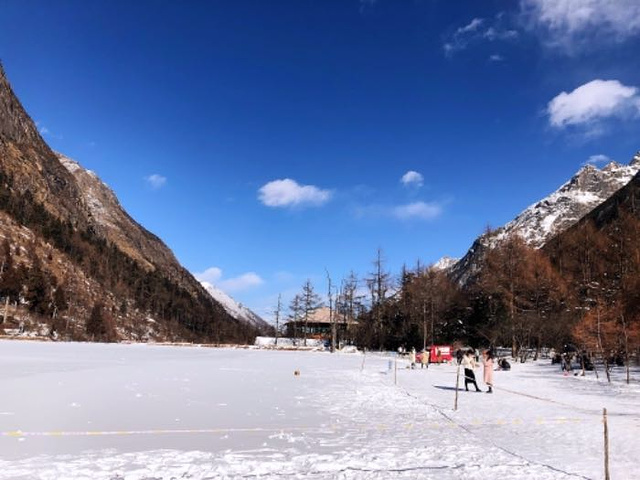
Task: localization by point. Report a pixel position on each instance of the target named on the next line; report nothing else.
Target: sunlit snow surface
(87, 411)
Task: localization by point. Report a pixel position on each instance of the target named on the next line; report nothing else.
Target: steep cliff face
(554, 214)
(111, 221)
(62, 228)
(115, 224)
(26, 158)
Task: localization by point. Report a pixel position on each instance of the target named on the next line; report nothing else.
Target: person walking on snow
(424, 359)
(488, 369)
(468, 363)
(412, 358)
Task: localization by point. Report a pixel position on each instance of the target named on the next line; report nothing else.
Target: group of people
(469, 364)
(423, 360)
(468, 360)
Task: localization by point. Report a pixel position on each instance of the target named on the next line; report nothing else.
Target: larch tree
(310, 303)
(378, 282)
(295, 314)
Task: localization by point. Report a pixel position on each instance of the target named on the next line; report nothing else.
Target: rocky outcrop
(26, 157)
(536, 225)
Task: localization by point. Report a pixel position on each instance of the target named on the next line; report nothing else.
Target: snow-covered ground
(91, 411)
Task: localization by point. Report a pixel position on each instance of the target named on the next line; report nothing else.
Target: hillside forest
(580, 291)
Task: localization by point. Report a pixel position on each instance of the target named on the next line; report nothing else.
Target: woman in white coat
(469, 364)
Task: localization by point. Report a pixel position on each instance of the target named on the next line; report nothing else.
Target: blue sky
(265, 142)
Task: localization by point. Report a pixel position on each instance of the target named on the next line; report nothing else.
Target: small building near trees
(318, 326)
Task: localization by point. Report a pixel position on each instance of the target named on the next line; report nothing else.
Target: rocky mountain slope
(607, 215)
(599, 258)
(63, 230)
(233, 308)
(112, 222)
(540, 222)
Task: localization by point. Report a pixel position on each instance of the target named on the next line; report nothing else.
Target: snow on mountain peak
(611, 166)
(445, 263)
(233, 308)
(587, 189)
(557, 212)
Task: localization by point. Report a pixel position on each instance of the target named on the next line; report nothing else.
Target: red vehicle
(440, 353)
(437, 354)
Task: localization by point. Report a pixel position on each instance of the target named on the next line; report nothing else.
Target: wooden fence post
(606, 444)
(455, 404)
(395, 371)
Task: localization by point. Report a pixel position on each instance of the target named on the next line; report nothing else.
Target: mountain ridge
(555, 213)
(76, 228)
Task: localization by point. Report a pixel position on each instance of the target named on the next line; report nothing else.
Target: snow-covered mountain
(554, 214)
(445, 263)
(233, 308)
(585, 191)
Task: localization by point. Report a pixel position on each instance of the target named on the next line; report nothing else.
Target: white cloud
(211, 275)
(240, 283)
(417, 210)
(598, 159)
(593, 102)
(462, 36)
(413, 211)
(496, 58)
(156, 181)
(493, 34)
(412, 179)
(570, 24)
(476, 31)
(288, 193)
(44, 131)
(472, 26)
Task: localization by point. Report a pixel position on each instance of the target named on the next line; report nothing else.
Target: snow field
(87, 411)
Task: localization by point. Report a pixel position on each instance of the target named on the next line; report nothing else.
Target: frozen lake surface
(95, 411)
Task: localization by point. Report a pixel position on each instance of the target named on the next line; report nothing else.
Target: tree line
(581, 290)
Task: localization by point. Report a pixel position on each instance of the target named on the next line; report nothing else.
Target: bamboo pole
(455, 404)
(6, 310)
(606, 444)
(395, 370)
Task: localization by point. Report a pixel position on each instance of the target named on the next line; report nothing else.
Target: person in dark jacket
(504, 364)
